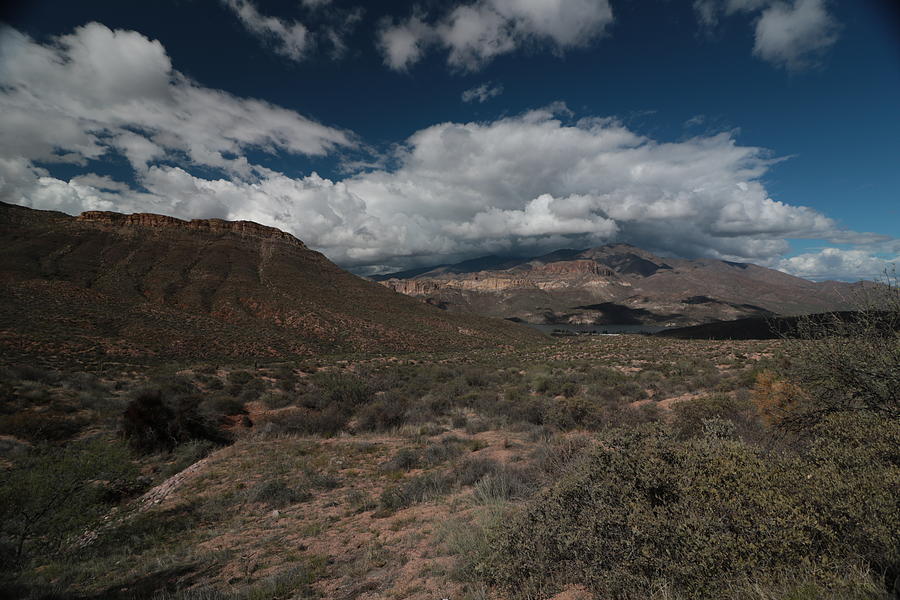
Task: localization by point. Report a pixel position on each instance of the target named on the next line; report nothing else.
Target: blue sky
(395, 134)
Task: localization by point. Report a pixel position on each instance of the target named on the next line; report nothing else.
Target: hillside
(617, 284)
(108, 286)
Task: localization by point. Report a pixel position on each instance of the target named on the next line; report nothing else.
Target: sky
(391, 135)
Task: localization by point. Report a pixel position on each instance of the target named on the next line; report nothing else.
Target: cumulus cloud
(537, 181)
(482, 93)
(795, 35)
(99, 90)
(792, 34)
(837, 263)
(474, 34)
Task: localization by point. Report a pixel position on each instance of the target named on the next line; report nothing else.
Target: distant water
(596, 329)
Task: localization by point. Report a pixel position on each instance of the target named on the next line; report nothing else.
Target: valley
(208, 410)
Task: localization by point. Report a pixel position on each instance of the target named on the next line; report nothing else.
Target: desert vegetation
(590, 467)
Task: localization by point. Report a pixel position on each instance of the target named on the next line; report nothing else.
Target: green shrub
(153, 421)
(405, 459)
(387, 412)
(846, 362)
(56, 492)
(41, 427)
(276, 493)
(420, 488)
(240, 377)
(506, 483)
(689, 415)
(698, 515)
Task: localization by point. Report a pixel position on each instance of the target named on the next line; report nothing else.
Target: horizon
(749, 131)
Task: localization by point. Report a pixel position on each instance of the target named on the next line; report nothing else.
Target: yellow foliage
(775, 398)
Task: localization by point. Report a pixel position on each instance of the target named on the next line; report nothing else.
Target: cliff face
(619, 282)
(107, 284)
(214, 226)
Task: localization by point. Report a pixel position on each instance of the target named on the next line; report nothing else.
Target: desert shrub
(473, 469)
(446, 449)
(277, 400)
(327, 422)
(217, 406)
(240, 377)
(556, 385)
(689, 415)
(556, 456)
(404, 460)
(152, 421)
(476, 425)
(84, 382)
(54, 492)
(276, 493)
(42, 427)
(572, 413)
(844, 363)
(32, 373)
(420, 488)
(344, 391)
(519, 407)
(387, 412)
(460, 420)
(697, 515)
(506, 483)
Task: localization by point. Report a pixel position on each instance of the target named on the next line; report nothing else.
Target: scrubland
(592, 467)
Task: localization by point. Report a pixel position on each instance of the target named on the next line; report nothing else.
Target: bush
(54, 493)
(240, 377)
(507, 483)
(406, 459)
(154, 422)
(843, 363)
(382, 414)
(415, 489)
(327, 422)
(698, 515)
(277, 494)
(41, 427)
(689, 415)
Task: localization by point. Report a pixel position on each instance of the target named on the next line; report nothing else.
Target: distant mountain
(618, 284)
(108, 286)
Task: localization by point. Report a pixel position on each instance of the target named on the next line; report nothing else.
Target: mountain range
(617, 284)
(115, 287)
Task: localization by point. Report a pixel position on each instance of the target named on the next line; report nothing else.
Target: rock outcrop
(241, 228)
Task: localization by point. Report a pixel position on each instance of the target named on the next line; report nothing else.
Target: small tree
(56, 492)
(842, 362)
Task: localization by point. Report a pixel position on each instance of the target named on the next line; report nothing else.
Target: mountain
(108, 286)
(617, 284)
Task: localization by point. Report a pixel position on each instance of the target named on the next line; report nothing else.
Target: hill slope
(619, 284)
(114, 285)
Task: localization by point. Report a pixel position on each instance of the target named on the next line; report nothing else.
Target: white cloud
(291, 38)
(531, 182)
(789, 33)
(99, 90)
(795, 35)
(475, 34)
(837, 263)
(482, 93)
(403, 44)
